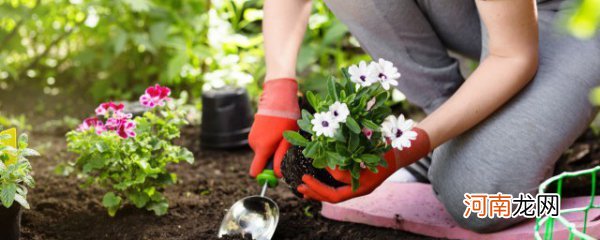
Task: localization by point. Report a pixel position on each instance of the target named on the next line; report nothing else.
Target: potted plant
(128, 157)
(226, 109)
(345, 130)
(15, 178)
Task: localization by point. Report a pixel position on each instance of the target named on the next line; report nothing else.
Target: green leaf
(96, 162)
(23, 140)
(339, 136)
(352, 125)
(21, 200)
(7, 194)
(311, 150)
(380, 99)
(371, 125)
(102, 147)
(319, 163)
(331, 88)
(111, 200)
(186, 155)
(370, 158)
(373, 169)
(312, 100)
(355, 184)
(355, 171)
(305, 125)
(353, 142)
(306, 115)
(28, 152)
(335, 158)
(295, 138)
(139, 199)
(159, 208)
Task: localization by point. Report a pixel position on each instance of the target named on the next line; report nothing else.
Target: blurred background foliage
(114, 49)
(64, 56)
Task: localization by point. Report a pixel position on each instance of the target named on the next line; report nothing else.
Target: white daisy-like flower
(339, 111)
(387, 74)
(325, 124)
(399, 131)
(363, 74)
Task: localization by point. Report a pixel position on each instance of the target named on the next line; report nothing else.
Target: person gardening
(499, 130)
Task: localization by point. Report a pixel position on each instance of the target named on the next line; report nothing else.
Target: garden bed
(60, 210)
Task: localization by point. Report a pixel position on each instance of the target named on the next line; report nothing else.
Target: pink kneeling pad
(413, 207)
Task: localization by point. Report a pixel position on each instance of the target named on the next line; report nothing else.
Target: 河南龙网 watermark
(506, 206)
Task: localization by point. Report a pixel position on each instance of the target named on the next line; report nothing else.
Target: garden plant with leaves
(346, 131)
(15, 169)
(129, 157)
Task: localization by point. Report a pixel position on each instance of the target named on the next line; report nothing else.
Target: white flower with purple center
(325, 124)
(399, 131)
(363, 74)
(339, 111)
(387, 74)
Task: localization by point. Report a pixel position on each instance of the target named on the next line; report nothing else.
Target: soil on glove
(206, 189)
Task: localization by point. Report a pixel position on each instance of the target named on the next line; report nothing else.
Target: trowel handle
(267, 176)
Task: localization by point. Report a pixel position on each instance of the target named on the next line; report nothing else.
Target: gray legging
(516, 148)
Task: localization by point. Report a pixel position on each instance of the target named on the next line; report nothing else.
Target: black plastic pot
(226, 118)
(10, 222)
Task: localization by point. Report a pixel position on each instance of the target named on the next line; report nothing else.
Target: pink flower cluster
(117, 120)
(155, 96)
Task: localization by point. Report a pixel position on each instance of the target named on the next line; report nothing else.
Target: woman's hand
(278, 112)
(284, 25)
(368, 181)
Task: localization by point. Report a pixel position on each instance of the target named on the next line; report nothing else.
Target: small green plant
(351, 124)
(15, 169)
(129, 158)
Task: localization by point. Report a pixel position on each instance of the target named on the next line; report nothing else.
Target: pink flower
(367, 132)
(126, 129)
(92, 122)
(155, 96)
(113, 124)
(108, 107)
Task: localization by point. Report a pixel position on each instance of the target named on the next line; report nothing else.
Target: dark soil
(246, 236)
(206, 189)
(583, 154)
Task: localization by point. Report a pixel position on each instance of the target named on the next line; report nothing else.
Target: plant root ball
(295, 165)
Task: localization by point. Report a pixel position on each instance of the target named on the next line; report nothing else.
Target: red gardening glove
(368, 181)
(278, 111)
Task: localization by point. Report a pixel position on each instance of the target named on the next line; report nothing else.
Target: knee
(452, 195)
(456, 208)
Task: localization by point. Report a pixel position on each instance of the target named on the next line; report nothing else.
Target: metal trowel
(255, 215)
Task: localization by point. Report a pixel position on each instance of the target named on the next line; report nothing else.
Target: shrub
(129, 157)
